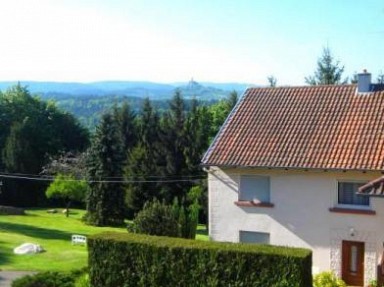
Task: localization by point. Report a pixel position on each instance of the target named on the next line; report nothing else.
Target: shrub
(82, 281)
(10, 210)
(156, 218)
(327, 279)
(45, 279)
(117, 259)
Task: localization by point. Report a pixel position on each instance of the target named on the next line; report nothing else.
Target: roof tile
(325, 127)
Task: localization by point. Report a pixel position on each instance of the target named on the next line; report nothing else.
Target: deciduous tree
(68, 188)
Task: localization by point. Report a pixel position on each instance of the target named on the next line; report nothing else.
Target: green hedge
(117, 259)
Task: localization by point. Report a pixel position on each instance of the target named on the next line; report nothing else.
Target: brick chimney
(364, 82)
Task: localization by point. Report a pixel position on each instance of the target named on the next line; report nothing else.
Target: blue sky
(171, 41)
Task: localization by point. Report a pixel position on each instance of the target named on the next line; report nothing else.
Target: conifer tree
(105, 200)
(143, 161)
(328, 71)
(173, 143)
(125, 118)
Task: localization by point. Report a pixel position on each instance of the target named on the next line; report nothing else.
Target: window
(254, 188)
(347, 194)
(254, 237)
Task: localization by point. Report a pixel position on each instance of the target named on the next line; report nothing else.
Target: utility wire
(99, 181)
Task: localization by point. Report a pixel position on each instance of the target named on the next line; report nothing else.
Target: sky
(173, 41)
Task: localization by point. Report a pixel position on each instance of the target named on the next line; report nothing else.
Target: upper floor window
(347, 194)
(254, 188)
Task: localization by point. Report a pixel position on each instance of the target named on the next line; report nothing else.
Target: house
(286, 168)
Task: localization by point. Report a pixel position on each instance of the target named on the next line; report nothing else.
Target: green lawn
(53, 232)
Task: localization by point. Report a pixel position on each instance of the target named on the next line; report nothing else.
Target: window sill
(352, 211)
(244, 203)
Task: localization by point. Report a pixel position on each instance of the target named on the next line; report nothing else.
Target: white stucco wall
(300, 216)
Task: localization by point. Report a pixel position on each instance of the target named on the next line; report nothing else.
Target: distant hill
(88, 101)
(158, 91)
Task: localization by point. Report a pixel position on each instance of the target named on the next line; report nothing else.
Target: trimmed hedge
(117, 259)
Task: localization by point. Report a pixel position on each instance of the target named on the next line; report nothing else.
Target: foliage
(272, 81)
(45, 279)
(68, 188)
(328, 71)
(31, 131)
(105, 200)
(141, 260)
(220, 111)
(380, 78)
(144, 161)
(187, 213)
(82, 281)
(327, 279)
(156, 218)
(68, 163)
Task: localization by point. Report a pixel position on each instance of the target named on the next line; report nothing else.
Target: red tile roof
(321, 127)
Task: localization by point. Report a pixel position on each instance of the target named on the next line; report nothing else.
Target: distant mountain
(158, 91)
(88, 101)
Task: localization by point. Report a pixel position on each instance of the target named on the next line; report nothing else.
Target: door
(353, 263)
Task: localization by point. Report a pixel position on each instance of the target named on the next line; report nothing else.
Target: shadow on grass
(202, 231)
(33, 231)
(4, 258)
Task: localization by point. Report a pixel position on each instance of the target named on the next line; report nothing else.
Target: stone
(28, 248)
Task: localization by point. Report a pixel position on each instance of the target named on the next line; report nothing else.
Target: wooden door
(353, 263)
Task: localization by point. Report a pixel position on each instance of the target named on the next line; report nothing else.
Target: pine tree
(173, 143)
(328, 72)
(143, 161)
(125, 118)
(196, 135)
(105, 200)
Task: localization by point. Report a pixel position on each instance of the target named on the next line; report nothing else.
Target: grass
(53, 232)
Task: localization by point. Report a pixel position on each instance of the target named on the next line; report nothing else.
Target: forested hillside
(88, 101)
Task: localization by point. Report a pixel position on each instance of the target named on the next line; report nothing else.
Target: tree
(272, 81)
(354, 78)
(68, 188)
(380, 78)
(105, 159)
(220, 111)
(197, 132)
(67, 163)
(32, 131)
(139, 172)
(125, 118)
(328, 71)
(144, 161)
(173, 143)
(156, 218)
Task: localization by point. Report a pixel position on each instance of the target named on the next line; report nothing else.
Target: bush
(156, 218)
(82, 281)
(117, 259)
(327, 279)
(45, 279)
(10, 210)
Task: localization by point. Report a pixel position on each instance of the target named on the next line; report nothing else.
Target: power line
(106, 177)
(99, 181)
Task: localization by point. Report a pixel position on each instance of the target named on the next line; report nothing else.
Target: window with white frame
(254, 188)
(346, 194)
(254, 237)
